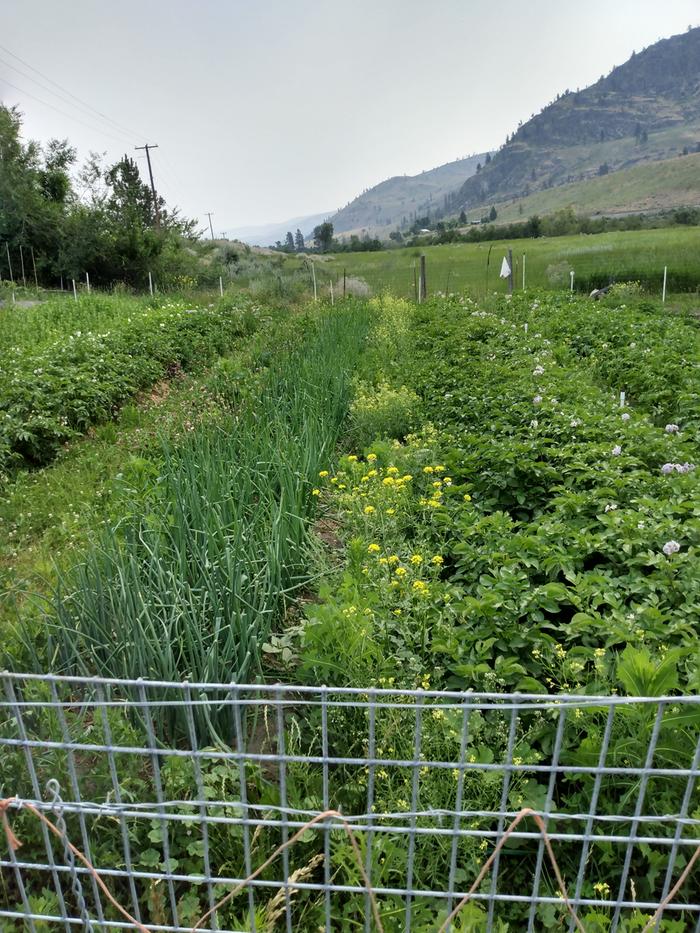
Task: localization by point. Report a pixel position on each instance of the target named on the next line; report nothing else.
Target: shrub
(381, 412)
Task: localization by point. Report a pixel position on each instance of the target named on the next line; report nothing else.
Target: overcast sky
(268, 110)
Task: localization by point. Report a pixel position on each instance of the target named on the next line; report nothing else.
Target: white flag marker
(505, 269)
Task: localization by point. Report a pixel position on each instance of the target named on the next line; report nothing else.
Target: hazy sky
(268, 110)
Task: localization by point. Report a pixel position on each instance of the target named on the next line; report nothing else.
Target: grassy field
(595, 259)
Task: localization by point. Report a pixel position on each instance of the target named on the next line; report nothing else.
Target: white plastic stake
(525, 326)
(313, 274)
(572, 280)
(150, 283)
(622, 399)
(663, 296)
(87, 281)
(13, 297)
(524, 273)
(221, 286)
(75, 290)
(332, 298)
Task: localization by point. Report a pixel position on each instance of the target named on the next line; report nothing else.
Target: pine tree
(289, 245)
(299, 241)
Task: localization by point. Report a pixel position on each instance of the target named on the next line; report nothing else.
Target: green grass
(595, 259)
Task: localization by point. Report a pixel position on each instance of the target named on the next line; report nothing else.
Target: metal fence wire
(180, 795)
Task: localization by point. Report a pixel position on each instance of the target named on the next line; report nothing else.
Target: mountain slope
(646, 109)
(648, 187)
(398, 201)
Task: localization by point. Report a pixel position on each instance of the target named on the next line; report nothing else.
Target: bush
(382, 412)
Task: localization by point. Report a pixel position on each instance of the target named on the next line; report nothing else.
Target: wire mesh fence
(245, 807)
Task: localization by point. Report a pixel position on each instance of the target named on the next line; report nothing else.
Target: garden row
(206, 551)
(209, 544)
(57, 379)
(507, 526)
(558, 528)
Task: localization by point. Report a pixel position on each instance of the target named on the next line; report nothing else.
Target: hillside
(648, 187)
(644, 110)
(398, 201)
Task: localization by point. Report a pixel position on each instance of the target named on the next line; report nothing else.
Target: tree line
(96, 218)
(324, 241)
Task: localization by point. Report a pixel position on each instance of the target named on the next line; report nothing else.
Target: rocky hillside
(646, 109)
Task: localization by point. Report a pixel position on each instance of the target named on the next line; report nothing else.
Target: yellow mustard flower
(368, 509)
(388, 481)
(417, 559)
(393, 559)
(315, 492)
(373, 549)
(392, 470)
(352, 458)
(323, 473)
(437, 560)
(391, 511)
(400, 571)
(371, 458)
(467, 497)
(428, 469)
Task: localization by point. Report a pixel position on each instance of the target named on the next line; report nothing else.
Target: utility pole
(211, 229)
(148, 148)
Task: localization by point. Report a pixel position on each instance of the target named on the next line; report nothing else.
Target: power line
(84, 110)
(65, 90)
(63, 112)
